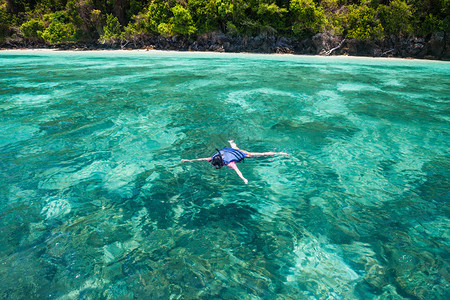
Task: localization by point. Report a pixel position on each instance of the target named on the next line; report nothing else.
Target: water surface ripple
(95, 203)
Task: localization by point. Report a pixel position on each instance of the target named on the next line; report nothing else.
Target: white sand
(218, 54)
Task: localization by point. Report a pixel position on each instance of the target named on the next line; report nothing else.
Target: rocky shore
(435, 46)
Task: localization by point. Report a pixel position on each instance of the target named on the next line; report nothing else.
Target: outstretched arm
(196, 159)
(234, 167)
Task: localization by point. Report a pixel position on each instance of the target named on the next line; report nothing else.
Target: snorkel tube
(217, 160)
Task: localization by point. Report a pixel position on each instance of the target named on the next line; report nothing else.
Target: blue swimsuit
(230, 154)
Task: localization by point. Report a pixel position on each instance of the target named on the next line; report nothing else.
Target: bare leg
(254, 154)
(233, 145)
(234, 167)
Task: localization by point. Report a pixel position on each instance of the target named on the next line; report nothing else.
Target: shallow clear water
(95, 203)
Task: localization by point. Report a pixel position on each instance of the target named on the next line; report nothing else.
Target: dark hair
(217, 160)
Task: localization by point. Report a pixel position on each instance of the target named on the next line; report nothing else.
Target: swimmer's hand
(245, 180)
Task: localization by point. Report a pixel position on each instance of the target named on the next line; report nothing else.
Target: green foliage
(85, 17)
(446, 16)
(111, 31)
(396, 18)
(232, 11)
(165, 29)
(431, 16)
(337, 16)
(58, 21)
(136, 6)
(271, 15)
(32, 29)
(60, 29)
(363, 23)
(182, 22)
(5, 23)
(430, 24)
(131, 32)
(205, 14)
(97, 20)
(155, 19)
(47, 5)
(307, 17)
(232, 29)
(158, 12)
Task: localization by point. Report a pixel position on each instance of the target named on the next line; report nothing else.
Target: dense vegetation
(110, 21)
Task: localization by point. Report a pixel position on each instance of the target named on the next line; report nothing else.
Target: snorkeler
(230, 156)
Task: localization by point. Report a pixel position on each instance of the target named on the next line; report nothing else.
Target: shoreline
(214, 53)
(435, 47)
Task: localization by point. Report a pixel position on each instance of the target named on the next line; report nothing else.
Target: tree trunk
(120, 9)
(10, 6)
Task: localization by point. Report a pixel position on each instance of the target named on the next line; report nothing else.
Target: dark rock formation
(436, 46)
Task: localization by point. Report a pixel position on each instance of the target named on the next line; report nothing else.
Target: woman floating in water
(230, 156)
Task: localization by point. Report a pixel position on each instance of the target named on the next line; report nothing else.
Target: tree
(182, 21)
(60, 29)
(271, 15)
(58, 21)
(396, 18)
(5, 23)
(306, 17)
(111, 31)
(336, 15)
(231, 14)
(204, 14)
(156, 13)
(431, 16)
(32, 29)
(363, 23)
(120, 8)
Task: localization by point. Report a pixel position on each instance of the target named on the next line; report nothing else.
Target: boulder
(437, 44)
(324, 42)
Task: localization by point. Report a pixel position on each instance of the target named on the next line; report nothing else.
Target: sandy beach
(211, 54)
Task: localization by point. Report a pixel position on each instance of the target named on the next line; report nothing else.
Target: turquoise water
(95, 203)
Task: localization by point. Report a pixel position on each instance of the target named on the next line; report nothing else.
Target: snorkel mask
(217, 160)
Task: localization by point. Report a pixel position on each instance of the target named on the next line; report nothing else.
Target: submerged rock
(56, 207)
(420, 275)
(364, 257)
(321, 270)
